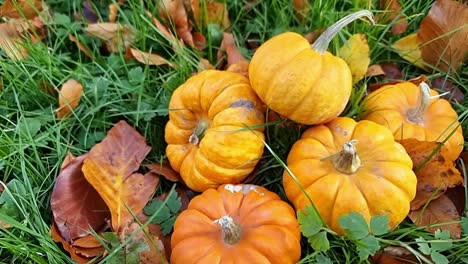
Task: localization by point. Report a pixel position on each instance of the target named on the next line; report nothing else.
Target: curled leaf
(20, 8)
(81, 47)
(80, 259)
(394, 13)
(110, 168)
(148, 58)
(165, 170)
(217, 13)
(11, 42)
(69, 97)
(229, 49)
(375, 70)
(117, 37)
(356, 54)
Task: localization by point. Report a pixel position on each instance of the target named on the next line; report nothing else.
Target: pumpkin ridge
(252, 210)
(219, 94)
(279, 74)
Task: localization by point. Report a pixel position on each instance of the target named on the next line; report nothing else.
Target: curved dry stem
(347, 161)
(416, 115)
(231, 232)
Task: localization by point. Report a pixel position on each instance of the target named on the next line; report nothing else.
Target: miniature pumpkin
(347, 166)
(307, 85)
(214, 133)
(416, 112)
(236, 224)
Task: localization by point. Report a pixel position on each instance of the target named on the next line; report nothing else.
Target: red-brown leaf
(229, 49)
(444, 35)
(165, 170)
(67, 246)
(440, 210)
(20, 8)
(395, 13)
(110, 167)
(76, 206)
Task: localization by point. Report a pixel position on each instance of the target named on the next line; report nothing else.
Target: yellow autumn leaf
(356, 54)
(409, 49)
(69, 97)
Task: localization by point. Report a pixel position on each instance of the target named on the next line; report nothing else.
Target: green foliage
(129, 254)
(311, 225)
(434, 248)
(464, 224)
(165, 212)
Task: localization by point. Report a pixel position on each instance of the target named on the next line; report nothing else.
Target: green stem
(321, 44)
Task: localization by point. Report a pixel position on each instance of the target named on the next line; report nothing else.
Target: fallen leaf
(242, 68)
(154, 254)
(436, 175)
(204, 64)
(443, 85)
(409, 49)
(217, 13)
(301, 8)
(148, 58)
(392, 71)
(394, 13)
(117, 37)
(77, 208)
(199, 40)
(174, 10)
(110, 168)
(20, 8)
(69, 97)
(67, 246)
(312, 36)
(356, 54)
(457, 196)
(67, 160)
(375, 70)
(11, 42)
(229, 49)
(444, 34)
(113, 11)
(165, 170)
(81, 47)
(88, 246)
(89, 13)
(394, 255)
(440, 210)
(164, 31)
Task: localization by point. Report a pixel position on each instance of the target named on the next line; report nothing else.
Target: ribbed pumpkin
(214, 133)
(348, 166)
(307, 85)
(416, 112)
(236, 224)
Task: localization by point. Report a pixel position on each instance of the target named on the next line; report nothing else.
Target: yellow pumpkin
(347, 166)
(307, 85)
(416, 112)
(236, 224)
(215, 132)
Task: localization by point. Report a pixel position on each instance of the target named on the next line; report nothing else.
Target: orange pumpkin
(214, 133)
(347, 166)
(307, 85)
(236, 224)
(416, 112)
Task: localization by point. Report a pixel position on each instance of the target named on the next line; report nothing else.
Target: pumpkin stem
(320, 45)
(347, 161)
(231, 232)
(198, 132)
(416, 115)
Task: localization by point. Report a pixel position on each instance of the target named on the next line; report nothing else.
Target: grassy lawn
(34, 142)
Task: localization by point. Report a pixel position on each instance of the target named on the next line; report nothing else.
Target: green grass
(33, 142)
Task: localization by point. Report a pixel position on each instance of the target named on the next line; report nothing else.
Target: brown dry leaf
(242, 67)
(438, 174)
(392, 71)
(440, 210)
(67, 246)
(11, 42)
(175, 11)
(301, 8)
(155, 254)
(312, 36)
(444, 34)
(394, 255)
(67, 160)
(165, 170)
(149, 58)
(375, 70)
(110, 168)
(356, 54)
(172, 39)
(205, 64)
(117, 37)
(89, 12)
(69, 97)
(81, 47)
(228, 47)
(20, 8)
(394, 12)
(409, 48)
(199, 40)
(113, 11)
(88, 246)
(77, 208)
(217, 13)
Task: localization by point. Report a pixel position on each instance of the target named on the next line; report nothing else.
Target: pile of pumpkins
(215, 138)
